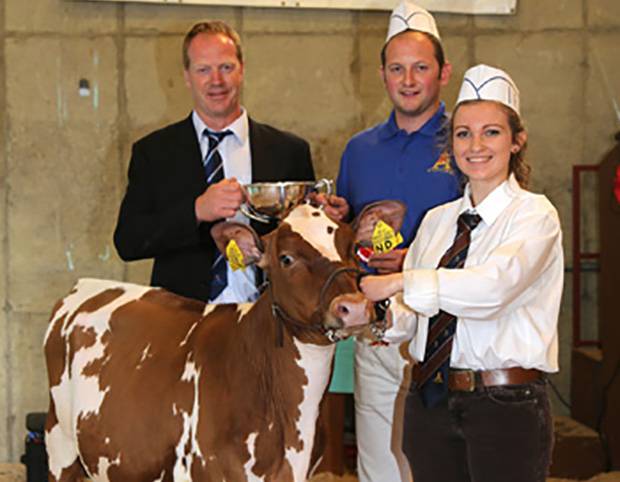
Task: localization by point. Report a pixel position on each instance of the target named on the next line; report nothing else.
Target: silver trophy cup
(272, 201)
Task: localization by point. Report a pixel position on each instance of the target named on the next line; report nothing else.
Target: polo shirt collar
(390, 129)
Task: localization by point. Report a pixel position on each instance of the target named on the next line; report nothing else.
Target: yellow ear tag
(234, 255)
(384, 238)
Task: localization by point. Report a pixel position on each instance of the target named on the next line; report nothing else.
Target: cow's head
(311, 268)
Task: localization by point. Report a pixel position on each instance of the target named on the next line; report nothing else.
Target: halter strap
(284, 318)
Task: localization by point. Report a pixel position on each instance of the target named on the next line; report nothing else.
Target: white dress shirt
(507, 296)
(237, 162)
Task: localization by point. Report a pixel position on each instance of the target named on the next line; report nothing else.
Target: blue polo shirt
(385, 162)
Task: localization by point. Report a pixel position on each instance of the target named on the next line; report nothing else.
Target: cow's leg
(64, 464)
(73, 473)
(328, 449)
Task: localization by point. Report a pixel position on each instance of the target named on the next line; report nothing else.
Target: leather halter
(284, 318)
(378, 326)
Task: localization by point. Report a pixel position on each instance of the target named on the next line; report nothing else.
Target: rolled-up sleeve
(494, 275)
(491, 285)
(421, 291)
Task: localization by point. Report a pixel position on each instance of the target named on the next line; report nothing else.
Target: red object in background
(617, 184)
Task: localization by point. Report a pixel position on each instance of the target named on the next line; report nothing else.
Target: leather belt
(468, 380)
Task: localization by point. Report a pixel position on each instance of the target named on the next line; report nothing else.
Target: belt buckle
(471, 380)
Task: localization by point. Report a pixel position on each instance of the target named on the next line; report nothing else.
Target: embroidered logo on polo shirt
(442, 164)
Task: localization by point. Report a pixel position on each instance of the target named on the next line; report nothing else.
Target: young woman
(479, 298)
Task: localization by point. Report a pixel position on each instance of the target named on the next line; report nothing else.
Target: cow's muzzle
(349, 313)
(346, 314)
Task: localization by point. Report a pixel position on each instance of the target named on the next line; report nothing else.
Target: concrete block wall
(63, 157)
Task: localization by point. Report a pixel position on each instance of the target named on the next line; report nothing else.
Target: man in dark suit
(170, 205)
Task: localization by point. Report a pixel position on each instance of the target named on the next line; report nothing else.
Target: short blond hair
(211, 27)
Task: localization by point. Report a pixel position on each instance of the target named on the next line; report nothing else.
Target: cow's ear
(246, 238)
(390, 212)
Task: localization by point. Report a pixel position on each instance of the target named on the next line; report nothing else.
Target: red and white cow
(146, 385)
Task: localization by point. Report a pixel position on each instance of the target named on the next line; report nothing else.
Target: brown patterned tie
(432, 373)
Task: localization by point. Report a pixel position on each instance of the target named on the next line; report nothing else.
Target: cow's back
(116, 356)
(147, 385)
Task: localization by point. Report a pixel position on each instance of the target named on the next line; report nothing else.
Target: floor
(17, 473)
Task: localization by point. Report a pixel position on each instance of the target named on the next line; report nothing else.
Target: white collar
(240, 127)
(496, 201)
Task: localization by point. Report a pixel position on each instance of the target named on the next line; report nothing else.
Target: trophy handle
(325, 186)
(252, 214)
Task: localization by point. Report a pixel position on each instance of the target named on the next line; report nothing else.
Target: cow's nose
(351, 309)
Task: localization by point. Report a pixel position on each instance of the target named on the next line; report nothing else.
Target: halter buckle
(332, 335)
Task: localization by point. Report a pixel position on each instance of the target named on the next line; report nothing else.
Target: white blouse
(506, 298)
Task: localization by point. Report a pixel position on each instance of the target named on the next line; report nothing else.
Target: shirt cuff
(421, 291)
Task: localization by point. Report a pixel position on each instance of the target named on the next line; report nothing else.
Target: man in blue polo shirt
(402, 158)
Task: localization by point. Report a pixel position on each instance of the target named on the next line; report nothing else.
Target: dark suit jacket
(166, 175)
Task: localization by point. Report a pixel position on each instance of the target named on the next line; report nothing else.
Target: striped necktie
(432, 373)
(214, 172)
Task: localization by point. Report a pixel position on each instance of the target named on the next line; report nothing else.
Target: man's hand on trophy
(220, 200)
(335, 207)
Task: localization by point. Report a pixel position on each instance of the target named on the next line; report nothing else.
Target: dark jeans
(492, 434)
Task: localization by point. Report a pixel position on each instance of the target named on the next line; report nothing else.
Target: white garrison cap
(408, 16)
(488, 83)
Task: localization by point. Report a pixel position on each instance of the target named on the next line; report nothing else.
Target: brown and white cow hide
(146, 385)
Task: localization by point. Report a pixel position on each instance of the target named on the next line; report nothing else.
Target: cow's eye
(286, 260)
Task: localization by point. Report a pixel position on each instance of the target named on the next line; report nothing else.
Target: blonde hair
(211, 27)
